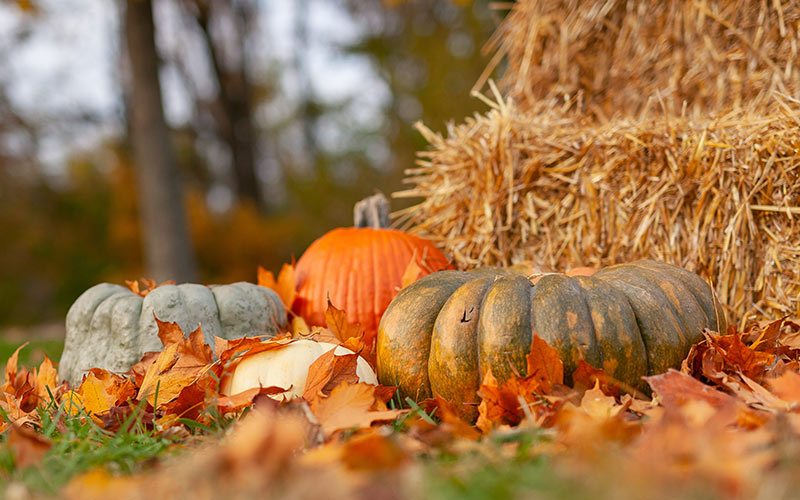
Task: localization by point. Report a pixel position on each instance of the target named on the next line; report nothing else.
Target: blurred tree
(333, 89)
(224, 26)
(168, 252)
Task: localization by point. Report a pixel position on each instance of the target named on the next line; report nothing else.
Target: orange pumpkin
(360, 268)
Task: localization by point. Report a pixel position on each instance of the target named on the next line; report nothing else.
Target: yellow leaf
(46, 376)
(94, 395)
(284, 286)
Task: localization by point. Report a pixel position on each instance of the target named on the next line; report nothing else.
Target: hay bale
(719, 195)
(629, 57)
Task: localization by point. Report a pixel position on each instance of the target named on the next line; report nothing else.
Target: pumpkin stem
(372, 211)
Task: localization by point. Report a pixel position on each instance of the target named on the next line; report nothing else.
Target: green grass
(34, 352)
(79, 445)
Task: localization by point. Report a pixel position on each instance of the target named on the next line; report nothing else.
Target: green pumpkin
(111, 327)
(441, 334)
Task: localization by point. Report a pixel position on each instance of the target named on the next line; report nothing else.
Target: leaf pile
(726, 426)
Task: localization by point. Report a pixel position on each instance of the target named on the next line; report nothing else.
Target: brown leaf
(499, 404)
(11, 365)
(348, 406)
(336, 320)
(299, 327)
(449, 416)
(598, 405)
(284, 286)
(412, 272)
(168, 332)
(240, 401)
(675, 388)
(28, 446)
(329, 371)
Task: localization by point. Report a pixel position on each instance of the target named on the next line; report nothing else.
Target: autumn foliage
(718, 420)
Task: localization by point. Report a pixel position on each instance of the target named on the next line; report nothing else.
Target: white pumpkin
(288, 368)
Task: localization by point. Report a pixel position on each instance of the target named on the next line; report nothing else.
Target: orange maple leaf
(544, 365)
(284, 286)
(586, 376)
(348, 406)
(94, 393)
(329, 371)
(149, 286)
(182, 362)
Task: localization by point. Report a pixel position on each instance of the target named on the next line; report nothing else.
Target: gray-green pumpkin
(441, 334)
(111, 327)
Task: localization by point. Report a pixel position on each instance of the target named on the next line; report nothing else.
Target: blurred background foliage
(329, 88)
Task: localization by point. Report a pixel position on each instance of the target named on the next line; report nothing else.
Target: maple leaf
(182, 362)
(46, 377)
(28, 446)
(20, 385)
(95, 397)
(412, 272)
(544, 365)
(452, 422)
(329, 371)
(597, 404)
(500, 404)
(244, 399)
(675, 388)
(509, 402)
(139, 369)
(372, 452)
(787, 387)
(284, 286)
(149, 286)
(299, 327)
(336, 319)
(585, 376)
(348, 406)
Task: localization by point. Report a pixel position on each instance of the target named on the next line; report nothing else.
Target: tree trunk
(167, 249)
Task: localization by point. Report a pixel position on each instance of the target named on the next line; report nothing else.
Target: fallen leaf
(372, 452)
(182, 362)
(149, 286)
(585, 376)
(238, 402)
(46, 378)
(95, 397)
(598, 405)
(675, 388)
(544, 365)
(329, 371)
(787, 387)
(348, 406)
(336, 319)
(412, 272)
(284, 286)
(28, 446)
